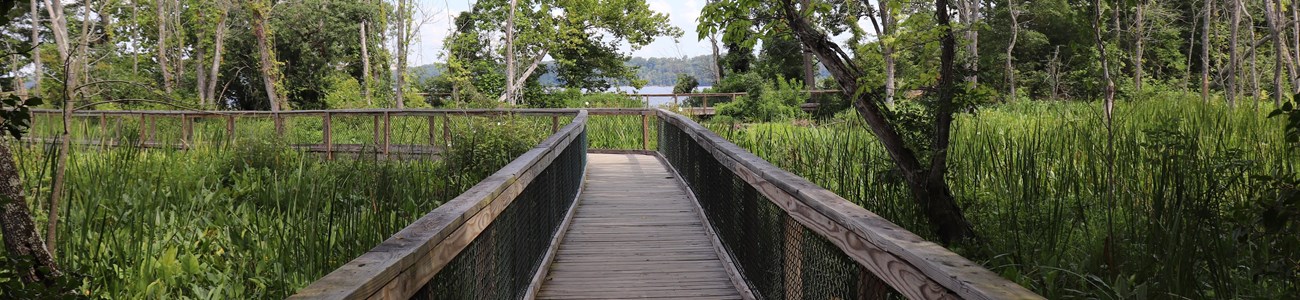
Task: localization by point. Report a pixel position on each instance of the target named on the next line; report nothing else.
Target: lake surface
(656, 89)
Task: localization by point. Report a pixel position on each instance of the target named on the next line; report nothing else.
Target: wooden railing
(407, 261)
(910, 265)
(329, 147)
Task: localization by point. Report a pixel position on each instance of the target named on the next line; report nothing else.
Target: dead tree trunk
(365, 63)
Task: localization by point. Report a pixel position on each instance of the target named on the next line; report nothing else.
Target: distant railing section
(791, 239)
(613, 129)
(487, 243)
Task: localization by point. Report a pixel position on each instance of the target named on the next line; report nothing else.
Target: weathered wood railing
(110, 132)
(763, 214)
(486, 243)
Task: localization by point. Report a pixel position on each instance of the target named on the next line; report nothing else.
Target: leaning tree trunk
(928, 188)
(20, 236)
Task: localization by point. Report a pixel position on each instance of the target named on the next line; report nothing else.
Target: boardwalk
(635, 234)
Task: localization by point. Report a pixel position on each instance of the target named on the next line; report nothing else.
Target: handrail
(917, 268)
(368, 111)
(402, 264)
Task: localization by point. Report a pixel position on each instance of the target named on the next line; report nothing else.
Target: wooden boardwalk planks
(635, 234)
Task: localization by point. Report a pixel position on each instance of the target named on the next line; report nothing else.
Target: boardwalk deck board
(635, 234)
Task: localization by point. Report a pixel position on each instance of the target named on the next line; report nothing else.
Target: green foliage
(773, 101)
(1191, 217)
(685, 84)
(487, 146)
(12, 287)
(254, 219)
(16, 114)
(605, 100)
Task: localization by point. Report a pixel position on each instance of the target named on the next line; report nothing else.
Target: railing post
(645, 131)
(387, 131)
(143, 134)
(555, 124)
(279, 125)
(325, 134)
(103, 130)
(185, 131)
(230, 129)
(793, 259)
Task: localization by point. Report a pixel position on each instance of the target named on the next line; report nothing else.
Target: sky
(681, 13)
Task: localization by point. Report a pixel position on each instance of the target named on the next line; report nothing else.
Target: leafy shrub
(778, 100)
(685, 84)
(488, 145)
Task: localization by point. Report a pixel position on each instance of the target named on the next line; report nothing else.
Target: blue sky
(682, 13)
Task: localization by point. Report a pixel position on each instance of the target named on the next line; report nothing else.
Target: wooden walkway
(635, 234)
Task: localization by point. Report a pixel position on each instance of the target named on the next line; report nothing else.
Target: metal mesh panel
(779, 258)
(501, 262)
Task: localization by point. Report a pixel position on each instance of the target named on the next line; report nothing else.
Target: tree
(582, 36)
(1234, 61)
(261, 11)
(16, 224)
(1011, 47)
(927, 184)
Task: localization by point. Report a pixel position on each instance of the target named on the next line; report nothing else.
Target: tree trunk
(717, 62)
(365, 64)
(972, 18)
(261, 16)
(218, 48)
(1254, 67)
(510, 54)
(403, 44)
(1205, 52)
(928, 188)
(163, 65)
(20, 237)
(37, 68)
(1273, 15)
(1011, 46)
(1139, 42)
(810, 78)
(887, 50)
(1053, 72)
(1233, 59)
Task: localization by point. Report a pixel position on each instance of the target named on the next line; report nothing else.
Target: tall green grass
(1183, 220)
(252, 220)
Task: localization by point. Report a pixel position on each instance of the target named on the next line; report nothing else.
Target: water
(656, 89)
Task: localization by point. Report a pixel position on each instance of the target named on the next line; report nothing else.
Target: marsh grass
(254, 219)
(1183, 221)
